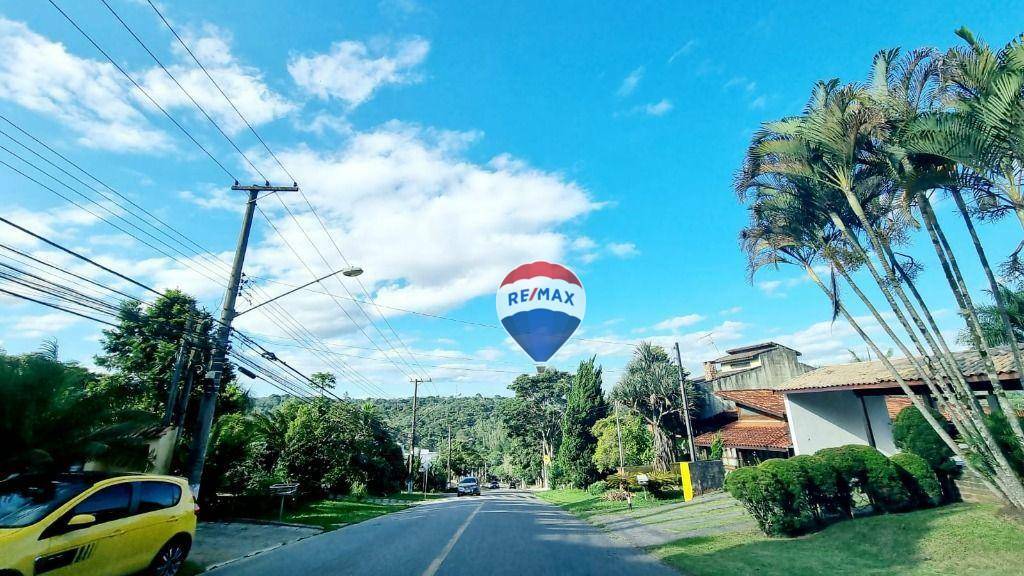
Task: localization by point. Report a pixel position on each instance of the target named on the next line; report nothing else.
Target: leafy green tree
(585, 405)
(535, 414)
(650, 388)
(636, 442)
(324, 381)
(50, 420)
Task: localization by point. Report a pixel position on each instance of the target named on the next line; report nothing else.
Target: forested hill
(469, 415)
(466, 414)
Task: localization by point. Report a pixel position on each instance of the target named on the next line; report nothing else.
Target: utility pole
(618, 433)
(412, 436)
(179, 367)
(448, 478)
(686, 404)
(197, 456)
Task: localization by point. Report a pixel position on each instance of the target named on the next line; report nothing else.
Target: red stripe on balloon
(546, 269)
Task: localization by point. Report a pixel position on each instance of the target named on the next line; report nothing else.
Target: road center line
(436, 564)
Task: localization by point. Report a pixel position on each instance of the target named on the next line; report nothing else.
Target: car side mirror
(80, 520)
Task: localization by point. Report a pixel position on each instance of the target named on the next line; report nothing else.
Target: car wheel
(170, 558)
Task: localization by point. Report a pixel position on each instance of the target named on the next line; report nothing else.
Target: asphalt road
(501, 532)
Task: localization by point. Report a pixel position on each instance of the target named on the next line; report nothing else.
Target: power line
(143, 90)
(186, 92)
(51, 305)
(219, 89)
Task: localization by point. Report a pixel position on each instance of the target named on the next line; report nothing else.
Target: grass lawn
(416, 496)
(331, 514)
(956, 539)
(585, 505)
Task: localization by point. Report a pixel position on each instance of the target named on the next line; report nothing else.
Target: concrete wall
(826, 419)
(776, 366)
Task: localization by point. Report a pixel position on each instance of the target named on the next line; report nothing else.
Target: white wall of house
(826, 419)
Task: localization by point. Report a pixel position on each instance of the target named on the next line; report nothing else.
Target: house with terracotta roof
(758, 432)
(740, 406)
(855, 403)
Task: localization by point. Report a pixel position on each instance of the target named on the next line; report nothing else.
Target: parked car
(467, 486)
(95, 524)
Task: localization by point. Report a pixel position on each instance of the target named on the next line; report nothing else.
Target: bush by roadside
(797, 495)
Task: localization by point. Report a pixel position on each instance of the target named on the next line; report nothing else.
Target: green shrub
(868, 470)
(793, 502)
(629, 481)
(358, 490)
(761, 494)
(597, 488)
(912, 433)
(827, 493)
(662, 484)
(919, 478)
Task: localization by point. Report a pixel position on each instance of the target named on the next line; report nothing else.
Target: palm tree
(649, 387)
(992, 324)
(835, 165)
(50, 421)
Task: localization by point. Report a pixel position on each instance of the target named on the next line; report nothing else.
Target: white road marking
(436, 564)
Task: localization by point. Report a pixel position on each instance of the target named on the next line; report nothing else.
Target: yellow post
(684, 473)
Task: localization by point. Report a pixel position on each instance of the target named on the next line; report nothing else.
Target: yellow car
(86, 524)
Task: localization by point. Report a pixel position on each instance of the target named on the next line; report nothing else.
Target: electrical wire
(143, 90)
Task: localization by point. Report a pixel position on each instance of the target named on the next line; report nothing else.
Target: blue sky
(445, 144)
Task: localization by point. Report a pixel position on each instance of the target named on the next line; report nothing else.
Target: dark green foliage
(663, 484)
(919, 478)
(51, 419)
(761, 494)
(598, 487)
(791, 496)
(584, 406)
(1003, 434)
(913, 433)
(793, 501)
(868, 470)
(827, 493)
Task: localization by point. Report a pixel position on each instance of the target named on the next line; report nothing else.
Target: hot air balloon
(541, 304)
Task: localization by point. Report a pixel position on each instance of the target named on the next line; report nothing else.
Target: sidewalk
(707, 515)
(218, 543)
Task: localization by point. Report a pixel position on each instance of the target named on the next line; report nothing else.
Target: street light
(349, 272)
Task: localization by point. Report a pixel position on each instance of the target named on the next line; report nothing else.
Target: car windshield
(468, 481)
(24, 501)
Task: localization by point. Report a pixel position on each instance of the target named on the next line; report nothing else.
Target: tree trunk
(663, 453)
(1006, 493)
(997, 387)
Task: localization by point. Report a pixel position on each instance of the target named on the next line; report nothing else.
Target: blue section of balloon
(540, 332)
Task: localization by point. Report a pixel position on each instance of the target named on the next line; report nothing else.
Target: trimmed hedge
(792, 496)
(919, 478)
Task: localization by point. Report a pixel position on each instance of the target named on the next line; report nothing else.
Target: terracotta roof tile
(754, 435)
(761, 400)
(896, 404)
(875, 372)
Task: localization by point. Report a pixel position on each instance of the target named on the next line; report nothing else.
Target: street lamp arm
(351, 271)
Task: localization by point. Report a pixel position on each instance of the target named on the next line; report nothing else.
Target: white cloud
(623, 249)
(630, 82)
(46, 324)
(432, 228)
(352, 71)
(731, 311)
(758, 103)
(88, 96)
(686, 48)
(583, 244)
(660, 108)
(245, 84)
(779, 288)
(678, 322)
